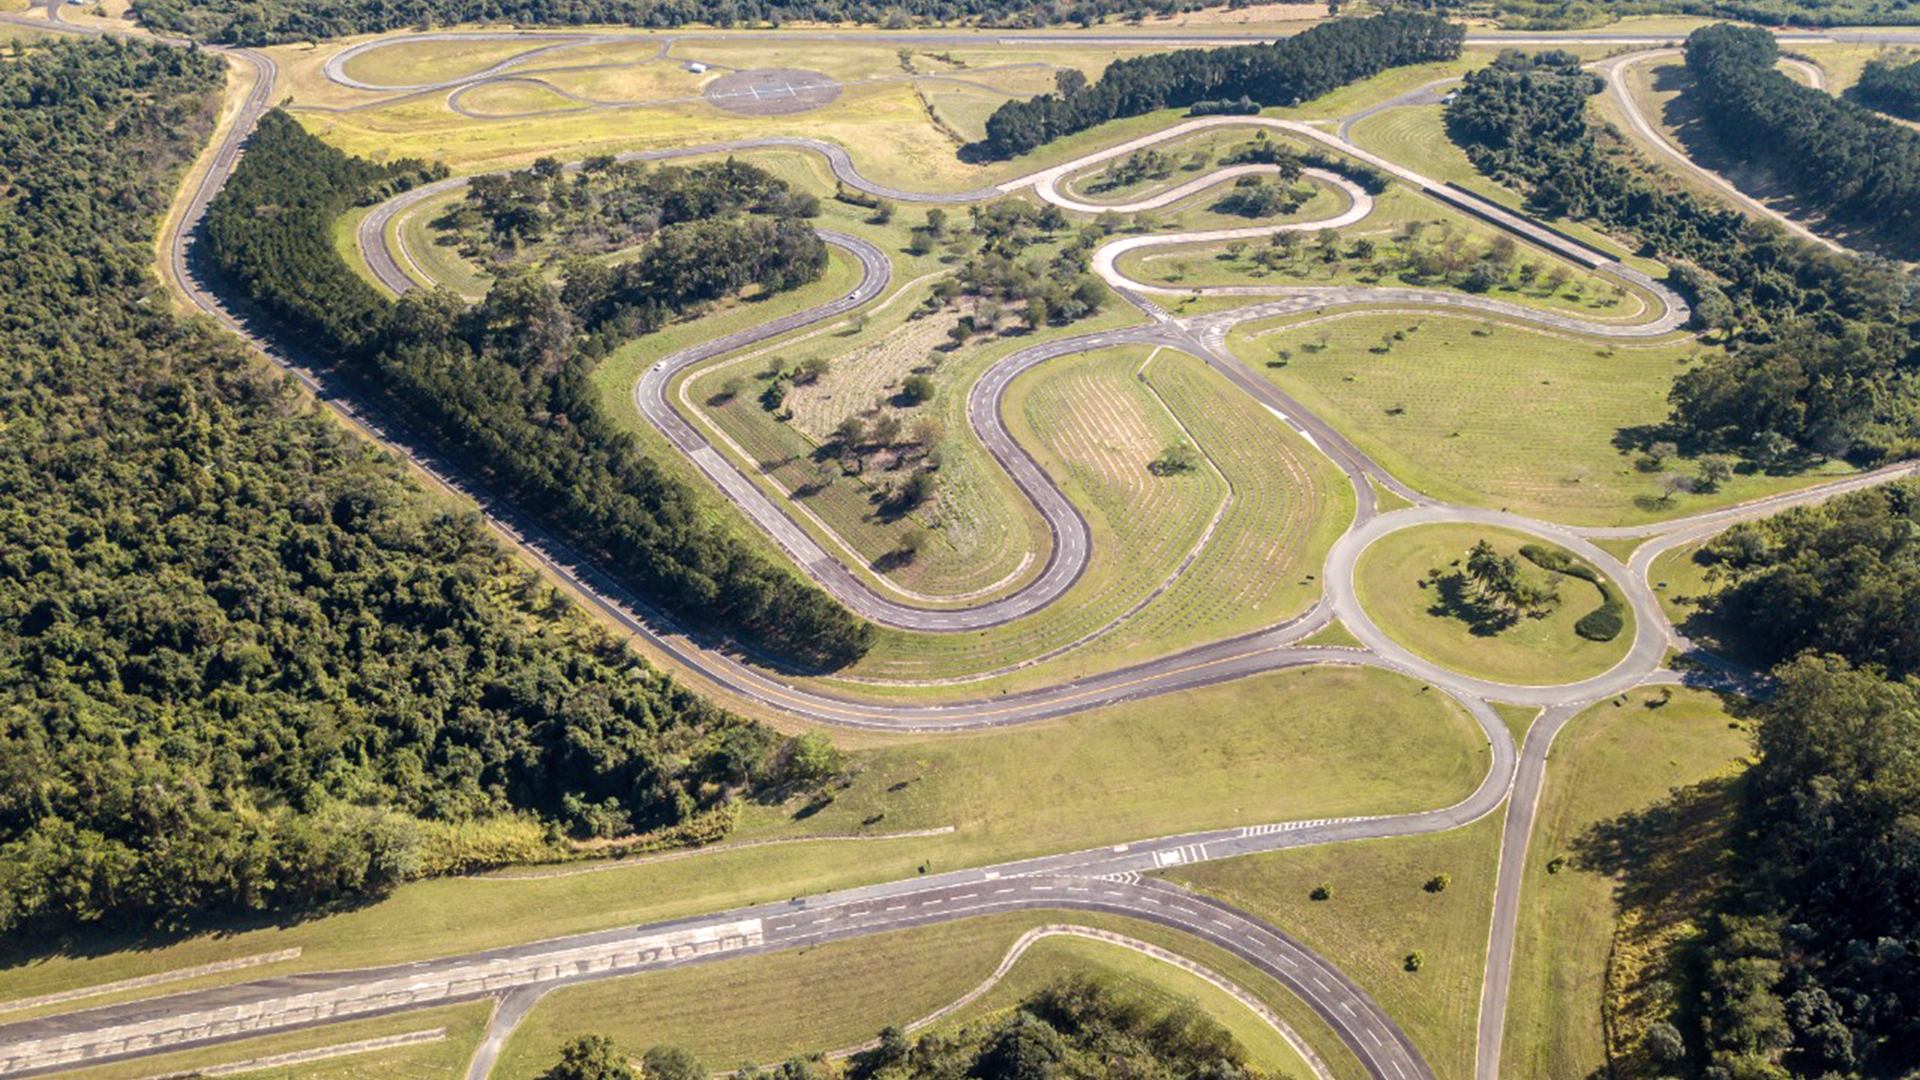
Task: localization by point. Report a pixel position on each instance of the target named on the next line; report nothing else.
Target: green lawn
(1393, 585)
(766, 1009)
(1143, 977)
(434, 253)
(1416, 136)
(1611, 762)
(445, 1059)
(1095, 425)
(1491, 414)
(1379, 913)
(415, 62)
(1311, 743)
(1530, 281)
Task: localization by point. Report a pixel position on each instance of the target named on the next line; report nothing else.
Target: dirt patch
(864, 377)
(772, 91)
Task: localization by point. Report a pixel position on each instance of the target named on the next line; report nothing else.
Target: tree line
(1891, 86)
(1285, 72)
(1838, 157)
(249, 666)
(271, 22)
(1577, 14)
(1810, 967)
(503, 387)
(1820, 346)
(1079, 1027)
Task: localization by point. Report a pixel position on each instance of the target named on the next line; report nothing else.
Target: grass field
(1095, 425)
(1187, 157)
(767, 1009)
(1398, 211)
(1310, 743)
(1416, 136)
(1611, 762)
(984, 537)
(419, 62)
(1379, 913)
(445, 1059)
(1393, 585)
(1492, 414)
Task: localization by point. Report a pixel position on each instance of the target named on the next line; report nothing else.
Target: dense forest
(267, 22)
(1078, 1028)
(1286, 72)
(1810, 964)
(249, 666)
(1836, 157)
(1892, 86)
(1576, 14)
(1842, 577)
(1821, 357)
(502, 385)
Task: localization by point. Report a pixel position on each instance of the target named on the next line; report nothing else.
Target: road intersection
(1105, 879)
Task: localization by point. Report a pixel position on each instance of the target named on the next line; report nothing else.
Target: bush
(917, 389)
(1177, 458)
(1415, 960)
(1322, 891)
(1603, 623)
(1438, 883)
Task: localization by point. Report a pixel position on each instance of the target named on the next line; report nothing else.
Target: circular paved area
(772, 91)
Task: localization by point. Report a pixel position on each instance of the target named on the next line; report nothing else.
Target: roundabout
(1378, 581)
(1422, 587)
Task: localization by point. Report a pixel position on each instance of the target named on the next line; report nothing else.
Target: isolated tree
(1177, 458)
(849, 433)
(665, 1062)
(812, 370)
(1715, 469)
(916, 389)
(590, 1057)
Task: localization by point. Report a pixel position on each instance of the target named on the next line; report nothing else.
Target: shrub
(1603, 623)
(1415, 960)
(1175, 459)
(916, 389)
(1321, 892)
(1438, 883)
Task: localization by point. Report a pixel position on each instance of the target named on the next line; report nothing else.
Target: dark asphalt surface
(1103, 879)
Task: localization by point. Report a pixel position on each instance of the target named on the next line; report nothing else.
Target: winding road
(1107, 879)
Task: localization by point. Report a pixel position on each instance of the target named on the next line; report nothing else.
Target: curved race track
(1104, 879)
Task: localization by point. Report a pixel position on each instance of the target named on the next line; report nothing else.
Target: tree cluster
(605, 206)
(1837, 157)
(503, 385)
(248, 666)
(1578, 14)
(1051, 290)
(1811, 968)
(1286, 72)
(1821, 356)
(270, 22)
(1841, 577)
(1891, 86)
(1078, 1028)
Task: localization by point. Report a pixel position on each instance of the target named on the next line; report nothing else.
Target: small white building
(696, 67)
